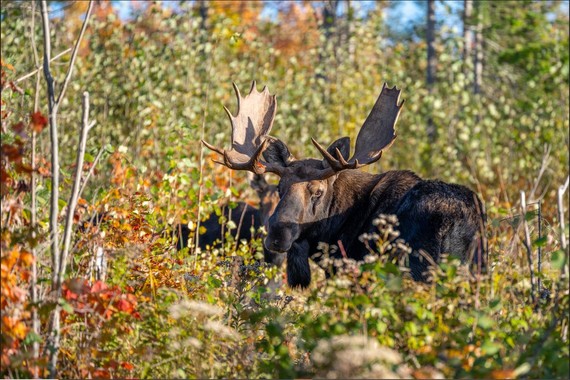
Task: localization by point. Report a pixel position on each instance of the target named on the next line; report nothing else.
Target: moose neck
(348, 208)
(358, 198)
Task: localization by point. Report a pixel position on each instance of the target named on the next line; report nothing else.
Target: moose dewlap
(329, 200)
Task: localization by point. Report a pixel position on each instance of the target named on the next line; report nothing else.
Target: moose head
(328, 200)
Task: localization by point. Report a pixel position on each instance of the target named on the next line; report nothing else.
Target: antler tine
(337, 164)
(211, 147)
(253, 86)
(376, 134)
(238, 97)
(250, 126)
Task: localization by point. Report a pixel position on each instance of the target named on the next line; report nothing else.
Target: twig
(38, 68)
(74, 55)
(563, 243)
(236, 242)
(342, 250)
(527, 244)
(543, 165)
(91, 170)
(75, 191)
(539, 249)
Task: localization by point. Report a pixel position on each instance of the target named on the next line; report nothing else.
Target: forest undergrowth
(130, 305)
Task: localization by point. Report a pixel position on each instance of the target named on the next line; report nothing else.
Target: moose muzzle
(281, 236)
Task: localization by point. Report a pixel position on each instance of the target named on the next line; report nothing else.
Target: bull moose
(329, 200)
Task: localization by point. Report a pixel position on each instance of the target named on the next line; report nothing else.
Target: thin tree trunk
(478, 63)
(350, 31)
(52, 109)
(561, 215)
(52, 343)
(85, 126)
(203, 9)
(329, 22)
(329, 16)
(467, 34)
(431, 61)
(33, 190)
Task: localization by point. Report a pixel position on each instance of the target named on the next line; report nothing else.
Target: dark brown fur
(435, 217)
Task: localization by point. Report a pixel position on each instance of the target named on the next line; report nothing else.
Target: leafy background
(157, 80)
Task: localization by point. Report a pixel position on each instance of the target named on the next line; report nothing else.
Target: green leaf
(66, 306)
(394, 283)
(32, 337)
(557, 259)
(485, 322)
(361, 299)
(541, 242)
(89, 158)
(214, 282)
(490, 348)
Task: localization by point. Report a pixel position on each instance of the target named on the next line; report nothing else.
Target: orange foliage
(298, 30)
(242, 12)
(15, 264)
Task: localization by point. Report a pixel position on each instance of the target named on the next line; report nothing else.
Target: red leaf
(128, 366)
(98, 286)
(39, 121)
(125, 306)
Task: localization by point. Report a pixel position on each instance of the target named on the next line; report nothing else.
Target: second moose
(329, 200)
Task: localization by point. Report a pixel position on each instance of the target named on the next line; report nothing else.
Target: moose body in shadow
(246, 218)
(330, 201)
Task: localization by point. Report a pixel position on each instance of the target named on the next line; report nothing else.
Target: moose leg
(298, 268)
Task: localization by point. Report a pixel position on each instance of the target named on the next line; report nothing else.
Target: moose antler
(376, 134)
(250, 127)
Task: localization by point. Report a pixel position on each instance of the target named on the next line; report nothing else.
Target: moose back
(329, 200)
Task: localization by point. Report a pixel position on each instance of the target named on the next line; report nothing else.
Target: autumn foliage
(132, 306)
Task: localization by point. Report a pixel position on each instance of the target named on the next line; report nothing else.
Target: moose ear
(277, 153)
(343, 145)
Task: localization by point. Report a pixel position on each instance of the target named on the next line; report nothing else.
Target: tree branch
(528, 244)
(76, 186)
(74, 55)
(563, 243)
(38, 68)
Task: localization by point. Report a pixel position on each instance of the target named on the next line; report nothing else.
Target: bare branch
(38, 68)
(76, 186)
(563, 243)
(91, 170)
(74, 54)
(543, 165)
(527, 244)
